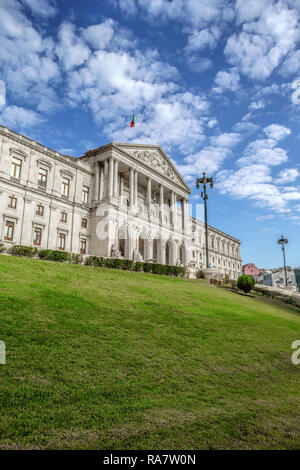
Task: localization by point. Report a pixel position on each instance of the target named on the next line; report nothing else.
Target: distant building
(276, 278)
(251, 269)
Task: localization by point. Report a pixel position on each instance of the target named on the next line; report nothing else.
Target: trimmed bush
(22, 250)
(76, 258)
(200, 274)
(138, 266)
(147, 267)
(246, 283)
(54, 255)
(2, 247)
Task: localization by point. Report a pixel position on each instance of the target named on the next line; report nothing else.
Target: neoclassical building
(120, 200)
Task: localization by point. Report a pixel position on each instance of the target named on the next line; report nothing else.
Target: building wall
(122, 201)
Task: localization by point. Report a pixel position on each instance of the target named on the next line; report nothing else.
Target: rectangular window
(61, 241)
(82, 246)
(85, 194)
(16, 166)
(42, 181)
(12, 202)
(63, 217)
(9, 231)
(84, 223)
(65, 188)
(40, 210)
(37, 236)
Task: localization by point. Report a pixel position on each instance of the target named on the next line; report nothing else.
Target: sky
(215, 83)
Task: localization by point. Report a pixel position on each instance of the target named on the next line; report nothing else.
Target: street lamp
(283, 241)
(204, 196)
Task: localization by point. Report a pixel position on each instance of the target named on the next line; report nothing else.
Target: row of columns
(109, 184)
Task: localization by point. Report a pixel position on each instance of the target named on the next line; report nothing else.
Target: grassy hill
(100, 358)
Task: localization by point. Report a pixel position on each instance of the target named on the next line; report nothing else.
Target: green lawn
(99, 358)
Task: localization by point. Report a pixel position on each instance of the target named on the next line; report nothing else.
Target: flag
(132, 121)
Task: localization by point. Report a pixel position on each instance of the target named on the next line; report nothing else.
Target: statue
(115, 252)
(179, 263)
(137, 256)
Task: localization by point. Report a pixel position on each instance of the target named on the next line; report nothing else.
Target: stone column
(135, 187)
(131, 184)
(116, 181)
(184, 213)
(148, 194)
(105, 186)
(97, 178)
(101, 189)
(121, 185)
(161, 202)
(172, 208)
(110, 177)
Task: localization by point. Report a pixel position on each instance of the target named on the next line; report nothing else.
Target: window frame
(83, 250)
(16, 168)
(12, 205)
(37, 240)
(42, 178)
(38, 212)
(65, 183)
(85, 194)
(61, 236)
(11, 225)
(63, 217)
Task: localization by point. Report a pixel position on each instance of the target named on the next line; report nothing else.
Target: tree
(246, 283)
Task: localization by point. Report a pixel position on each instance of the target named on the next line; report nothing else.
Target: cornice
(41, 149)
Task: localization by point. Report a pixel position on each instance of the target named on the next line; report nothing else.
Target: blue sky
(216, 84)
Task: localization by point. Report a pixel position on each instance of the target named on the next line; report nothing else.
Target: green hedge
(54, 255)
(138, 266)
(22, 250)
(246, 283)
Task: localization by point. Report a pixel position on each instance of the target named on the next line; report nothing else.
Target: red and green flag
(132, 121)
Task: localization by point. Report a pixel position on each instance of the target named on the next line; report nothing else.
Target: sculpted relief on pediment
(155, 160)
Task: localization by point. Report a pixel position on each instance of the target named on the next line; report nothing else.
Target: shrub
(76, 258)
(54, 255)
(138, 266)
(2, 247)
(246, 283)
(178, 271)
(200, 274)
(147, 267)
(22, 250)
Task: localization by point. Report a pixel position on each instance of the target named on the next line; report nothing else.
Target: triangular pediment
(155, 158)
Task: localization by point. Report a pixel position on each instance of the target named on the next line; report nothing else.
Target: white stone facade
(120, 200)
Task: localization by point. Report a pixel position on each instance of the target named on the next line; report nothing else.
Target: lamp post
(204, 180)
(283, 241)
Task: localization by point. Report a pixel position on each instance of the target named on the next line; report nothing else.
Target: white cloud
(287, 176)
(291, 64)
(212, 123)
(204, 38)
(254, 182)
(71, 48)
(227, 81)
(263, 151)
(257, 105)
(209, 159)
(199, 64)
(269, 32)
(248, 127)
(228, 139)
(43, 8)
(20, 118)
(296, 94)
(2, 93)
(276, 131)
